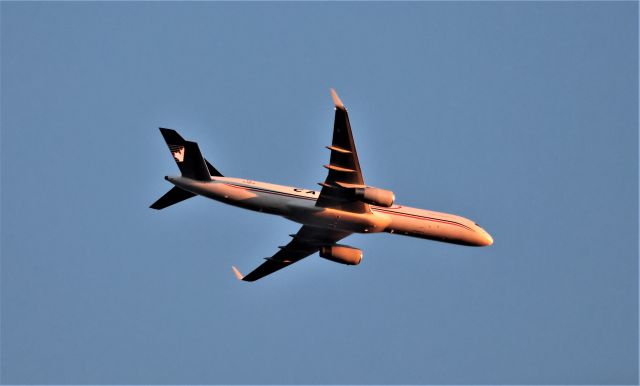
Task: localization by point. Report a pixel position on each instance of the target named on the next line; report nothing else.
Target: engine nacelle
(342, 254)
(375, 196)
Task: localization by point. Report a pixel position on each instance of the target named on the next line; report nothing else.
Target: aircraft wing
(344, 167)
(306, 242)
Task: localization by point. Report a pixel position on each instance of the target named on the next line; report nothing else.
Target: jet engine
(375, 196)
(342, 254)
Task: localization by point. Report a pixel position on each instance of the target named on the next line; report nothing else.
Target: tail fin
(188, 157)
(212, 171)
(173, 196)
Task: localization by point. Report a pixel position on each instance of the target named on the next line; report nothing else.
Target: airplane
(344, 205)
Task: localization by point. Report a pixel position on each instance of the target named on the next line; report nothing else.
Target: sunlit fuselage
(298, 205)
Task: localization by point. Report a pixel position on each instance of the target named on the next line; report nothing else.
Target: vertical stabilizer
(188, 157)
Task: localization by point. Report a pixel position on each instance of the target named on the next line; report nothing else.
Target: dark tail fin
(212, 171)
(188, 157)
(174, 196)
(191, 164)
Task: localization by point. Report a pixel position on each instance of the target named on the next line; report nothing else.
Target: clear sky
(520, 116)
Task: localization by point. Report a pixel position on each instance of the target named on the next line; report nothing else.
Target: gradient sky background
(521, 116)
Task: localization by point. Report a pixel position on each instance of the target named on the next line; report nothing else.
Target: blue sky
(520, 116)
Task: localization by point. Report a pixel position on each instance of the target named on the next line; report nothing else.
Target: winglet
(238, 274)
(336, 99)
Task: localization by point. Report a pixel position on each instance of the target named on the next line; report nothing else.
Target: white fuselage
(299, 205)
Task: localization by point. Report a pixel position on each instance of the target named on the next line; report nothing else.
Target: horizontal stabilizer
(173, 196)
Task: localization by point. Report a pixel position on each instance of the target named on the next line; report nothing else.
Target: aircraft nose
(486, 239)
(489, 239)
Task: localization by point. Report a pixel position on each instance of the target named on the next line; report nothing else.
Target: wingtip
(238, 274)
(336, 99)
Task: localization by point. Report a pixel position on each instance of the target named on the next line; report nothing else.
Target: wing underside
(344, 168)
(306, 242)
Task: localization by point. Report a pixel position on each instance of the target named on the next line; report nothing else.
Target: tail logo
(177, 152)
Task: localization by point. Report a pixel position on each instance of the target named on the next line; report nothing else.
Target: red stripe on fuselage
(419, 217)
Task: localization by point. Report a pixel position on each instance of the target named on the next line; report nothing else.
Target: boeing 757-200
(345, 204)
